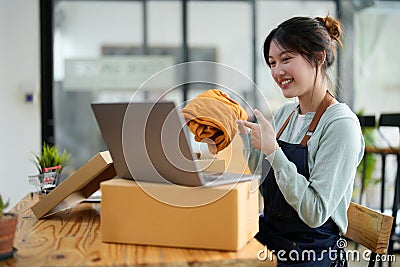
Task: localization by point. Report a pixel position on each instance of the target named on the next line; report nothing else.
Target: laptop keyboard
(213, 176)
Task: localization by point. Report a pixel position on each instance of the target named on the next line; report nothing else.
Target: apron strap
(326, 102)
(284, 125)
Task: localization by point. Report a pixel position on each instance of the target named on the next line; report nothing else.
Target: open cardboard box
(86, 181)
(77, 187)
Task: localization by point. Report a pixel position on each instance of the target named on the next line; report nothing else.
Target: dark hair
(308, 37)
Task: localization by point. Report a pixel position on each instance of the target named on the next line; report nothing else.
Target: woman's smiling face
(291, 72)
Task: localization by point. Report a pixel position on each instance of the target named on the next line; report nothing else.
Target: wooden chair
(367, 121)
(370, 229)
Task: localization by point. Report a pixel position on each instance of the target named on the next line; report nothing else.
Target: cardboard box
(78, 186)
(233, 156)
(223, 217)
(215, 165)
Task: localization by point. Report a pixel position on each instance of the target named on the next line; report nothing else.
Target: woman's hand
(242, 129)
(262, 133)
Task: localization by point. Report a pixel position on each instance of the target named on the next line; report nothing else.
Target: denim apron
(280, 227)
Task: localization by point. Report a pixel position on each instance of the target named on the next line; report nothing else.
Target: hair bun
(333, 27)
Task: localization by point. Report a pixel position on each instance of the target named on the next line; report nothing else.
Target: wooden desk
(73, 238)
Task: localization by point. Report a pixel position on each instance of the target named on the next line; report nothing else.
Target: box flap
(78, 186)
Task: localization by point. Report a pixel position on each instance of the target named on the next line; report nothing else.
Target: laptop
(148, 141)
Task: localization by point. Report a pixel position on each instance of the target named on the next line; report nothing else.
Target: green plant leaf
(3, 205)
(50, 157)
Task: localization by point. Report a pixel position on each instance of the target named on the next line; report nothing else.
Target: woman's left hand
(262, 134)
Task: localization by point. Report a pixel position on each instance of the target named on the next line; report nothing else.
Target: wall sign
(114, 72)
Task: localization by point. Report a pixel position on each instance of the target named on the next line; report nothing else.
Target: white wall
(20, 121)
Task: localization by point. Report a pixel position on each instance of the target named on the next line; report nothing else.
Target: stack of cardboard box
(221, 217)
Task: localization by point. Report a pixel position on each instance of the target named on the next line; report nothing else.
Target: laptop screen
(148, 142)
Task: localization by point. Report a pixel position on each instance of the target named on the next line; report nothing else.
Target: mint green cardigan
(334, 152)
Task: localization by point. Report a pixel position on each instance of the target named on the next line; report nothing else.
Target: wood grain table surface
(73, 238)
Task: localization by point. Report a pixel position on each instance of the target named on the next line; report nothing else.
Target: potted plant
(49, 164)
(8, 224)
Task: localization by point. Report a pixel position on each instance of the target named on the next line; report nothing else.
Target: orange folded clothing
(211, 117)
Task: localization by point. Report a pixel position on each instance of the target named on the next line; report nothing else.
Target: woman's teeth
(287, 81)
